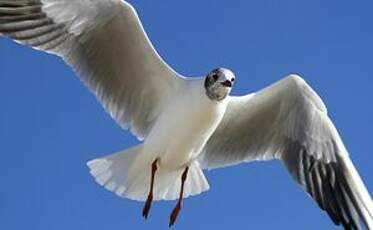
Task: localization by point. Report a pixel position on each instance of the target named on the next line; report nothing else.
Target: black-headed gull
(187, 124)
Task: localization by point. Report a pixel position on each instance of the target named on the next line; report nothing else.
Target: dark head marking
(218, 83)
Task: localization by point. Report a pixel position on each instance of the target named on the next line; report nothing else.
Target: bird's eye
(232, 80)
(215, 76)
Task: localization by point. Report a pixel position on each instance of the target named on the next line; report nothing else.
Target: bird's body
(178, 139)
(187, 125)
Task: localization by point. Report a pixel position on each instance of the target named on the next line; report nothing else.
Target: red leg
(177, 208)
(148, 203)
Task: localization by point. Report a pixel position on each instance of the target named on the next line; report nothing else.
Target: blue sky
(50, 125)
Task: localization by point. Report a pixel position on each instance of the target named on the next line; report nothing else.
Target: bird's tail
(128, 173)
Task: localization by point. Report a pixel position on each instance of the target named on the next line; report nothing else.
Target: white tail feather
(127, 174)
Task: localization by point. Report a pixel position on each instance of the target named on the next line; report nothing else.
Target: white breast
(184, 127)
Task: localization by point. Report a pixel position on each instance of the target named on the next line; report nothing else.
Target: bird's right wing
(288, 121)
(105, 43)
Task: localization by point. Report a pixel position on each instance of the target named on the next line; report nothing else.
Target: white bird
(187, 124)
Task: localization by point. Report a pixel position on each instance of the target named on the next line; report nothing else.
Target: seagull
(187, 125)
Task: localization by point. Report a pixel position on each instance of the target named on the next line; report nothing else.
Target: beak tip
(227, 83)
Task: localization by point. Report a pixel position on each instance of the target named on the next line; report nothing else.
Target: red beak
(227, 83)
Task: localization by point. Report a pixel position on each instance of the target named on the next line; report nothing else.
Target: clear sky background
(50, 124)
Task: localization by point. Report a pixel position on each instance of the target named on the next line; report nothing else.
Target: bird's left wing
(288, 121)
(105, 43)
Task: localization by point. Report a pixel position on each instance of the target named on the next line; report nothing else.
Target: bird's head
(218, 83)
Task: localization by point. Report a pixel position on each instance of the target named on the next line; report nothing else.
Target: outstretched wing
(104, 41)
(288, 121)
